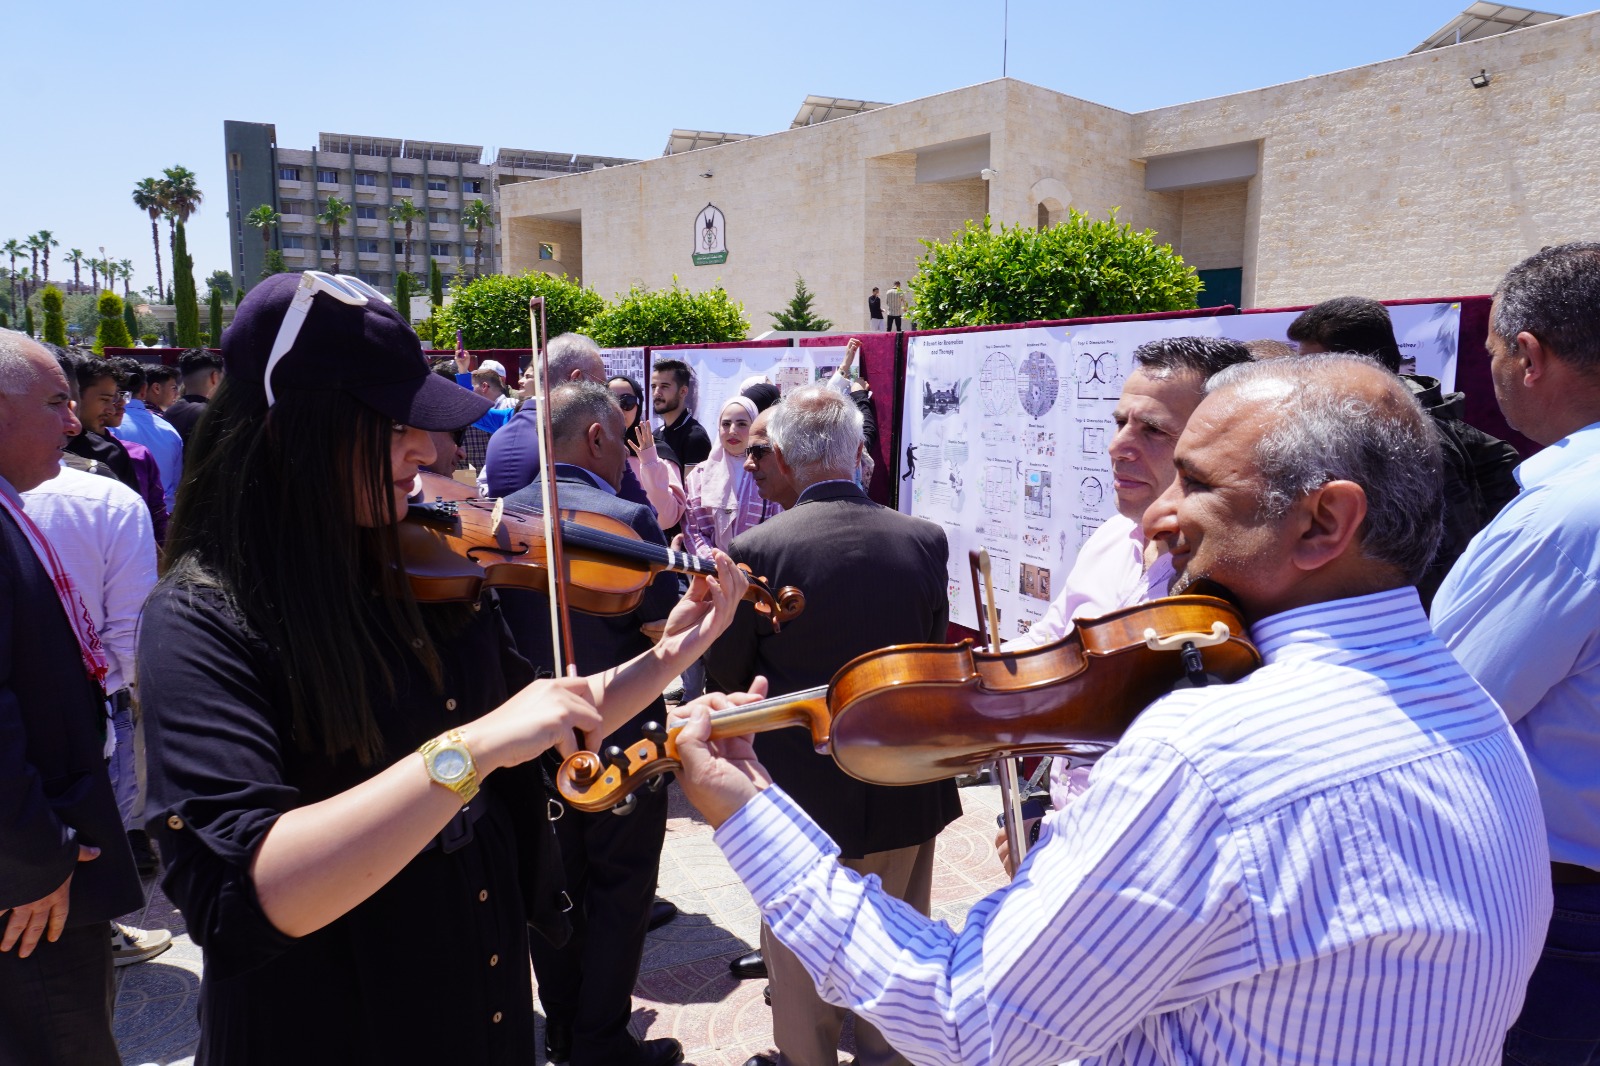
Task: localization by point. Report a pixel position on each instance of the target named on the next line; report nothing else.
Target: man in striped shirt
(1338, 860)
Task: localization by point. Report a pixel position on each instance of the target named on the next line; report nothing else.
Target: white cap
(490, 364)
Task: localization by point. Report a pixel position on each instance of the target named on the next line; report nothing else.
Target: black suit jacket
(55, 793)
(872, 577)
(599, 643)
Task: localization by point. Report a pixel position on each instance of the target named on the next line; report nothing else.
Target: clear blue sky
(103, 94)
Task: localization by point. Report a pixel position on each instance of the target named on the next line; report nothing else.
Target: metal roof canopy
(1484, 20)
(353, 144)
(682, 141)
(823, 108)
(443, 152)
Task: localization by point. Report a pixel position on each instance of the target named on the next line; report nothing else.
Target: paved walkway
(684, 987)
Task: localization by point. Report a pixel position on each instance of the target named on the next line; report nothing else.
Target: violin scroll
(593, 783)
(778, 608)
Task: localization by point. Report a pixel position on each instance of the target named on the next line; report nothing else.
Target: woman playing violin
(340, 777)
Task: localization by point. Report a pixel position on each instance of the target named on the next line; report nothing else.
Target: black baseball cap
(368, 351)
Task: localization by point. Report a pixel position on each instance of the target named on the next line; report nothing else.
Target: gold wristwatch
(450, 764)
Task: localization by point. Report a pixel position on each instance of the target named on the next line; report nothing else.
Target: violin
(915, 713)
(457, 544)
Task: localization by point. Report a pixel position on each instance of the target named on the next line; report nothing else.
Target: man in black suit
(586, 985)
(872, 577)
(65, 867)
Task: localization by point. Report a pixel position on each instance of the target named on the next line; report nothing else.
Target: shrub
(492, 311)
(112, 331)
(55, 323)
(798, 315)
(149, 339)
(669, 316)
(1076, 269)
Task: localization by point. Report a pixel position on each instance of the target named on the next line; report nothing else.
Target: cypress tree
(215, 322)
(402, 294)
(129, 319)
(55, 323)
(185, 300)
(435, 284)
(112, 331)
(5, 320)
(27, 319)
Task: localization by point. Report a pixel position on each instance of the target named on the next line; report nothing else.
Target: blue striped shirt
(1339, 859)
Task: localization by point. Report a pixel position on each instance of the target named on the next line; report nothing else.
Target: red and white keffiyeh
(94, 654)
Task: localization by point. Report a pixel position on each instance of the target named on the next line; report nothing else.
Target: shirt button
(483, 895)
(494, 960)
(450, 705)
(497, 1017)
(174, 822)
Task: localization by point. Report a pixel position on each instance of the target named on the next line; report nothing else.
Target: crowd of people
(1380, 846)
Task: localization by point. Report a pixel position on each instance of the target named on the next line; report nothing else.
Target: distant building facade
(1425, 175)
(371, 174)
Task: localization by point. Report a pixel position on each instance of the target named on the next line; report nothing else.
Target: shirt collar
(10, 493)
(1388, 617)
(810, 492)
(1547, 463)
(135, 404)
(594, 479)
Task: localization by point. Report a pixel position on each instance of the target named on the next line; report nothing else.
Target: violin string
(600, 540)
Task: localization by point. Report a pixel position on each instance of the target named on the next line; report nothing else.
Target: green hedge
(492, 311)
(669, 316)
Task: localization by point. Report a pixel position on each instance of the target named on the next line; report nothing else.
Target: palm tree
(334, 214)
(27, 287)
(477, 214)
(264, 218)
(181, 198)
(47, 241)
(125, 268)
(76, 257)
(403, 213)
(150, 197)
(32, 241)
(13, 248)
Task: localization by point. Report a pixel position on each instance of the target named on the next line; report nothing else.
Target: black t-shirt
(183, 414)
(433, 966)
(874, 306)
(688, 439)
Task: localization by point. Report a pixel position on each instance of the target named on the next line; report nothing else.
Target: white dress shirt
(101, 529)
(1338, 860)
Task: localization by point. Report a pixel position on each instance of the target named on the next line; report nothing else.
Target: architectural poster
(628, 363)
(1004, 438)
(718, 372)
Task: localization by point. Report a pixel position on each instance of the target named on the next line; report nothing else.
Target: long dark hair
(267, 514)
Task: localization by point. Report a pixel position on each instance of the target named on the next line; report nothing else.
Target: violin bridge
(497, 516)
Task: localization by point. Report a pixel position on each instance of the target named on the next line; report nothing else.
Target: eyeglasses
(122, 397)
(757, 452)
(627, 401)
(353, 292)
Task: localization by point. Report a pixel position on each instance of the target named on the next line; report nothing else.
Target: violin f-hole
(509, 553)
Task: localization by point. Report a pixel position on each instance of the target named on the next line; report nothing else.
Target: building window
(549, 251)
(329, 177)
(399, 247)
(288, 173)
(291, 241)
(371, 277)
(369, 246)
(364, 178)
(327, 244)
(472, 185)
(440, 249)
(435, 185)
(439, 216)
(292, 207)
(402, 181)
(367, 211)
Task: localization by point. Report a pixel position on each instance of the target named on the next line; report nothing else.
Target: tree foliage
(130, 319)
(435, 284)
(221, 281)
(55, 323)
(798, 315)
(27, 320)
(492, 311)
(404, 284)
(669, 316)
(1079, 268)
(273, 263)
(186, 301)
(214, 317)
(112, 331)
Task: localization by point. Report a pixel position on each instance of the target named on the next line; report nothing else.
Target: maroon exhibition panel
(879, 364)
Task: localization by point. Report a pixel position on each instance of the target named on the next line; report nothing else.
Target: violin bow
(560, 618)
(1005, 766)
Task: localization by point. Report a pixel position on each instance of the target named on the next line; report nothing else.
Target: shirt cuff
(771, 843)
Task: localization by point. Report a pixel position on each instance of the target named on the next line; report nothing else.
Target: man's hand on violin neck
(719, 776)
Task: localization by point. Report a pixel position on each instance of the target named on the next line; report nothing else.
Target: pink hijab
(721, 475)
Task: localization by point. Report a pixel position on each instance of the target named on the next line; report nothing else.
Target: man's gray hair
(1324, 432)
(577, 405)
(818, 431)
(569, 352)
(17, 371)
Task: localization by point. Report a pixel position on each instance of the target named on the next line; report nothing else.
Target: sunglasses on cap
(347, 290)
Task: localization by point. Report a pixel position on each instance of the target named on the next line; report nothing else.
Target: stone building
(1424, 175)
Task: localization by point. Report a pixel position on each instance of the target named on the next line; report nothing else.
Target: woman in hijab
(723, 501)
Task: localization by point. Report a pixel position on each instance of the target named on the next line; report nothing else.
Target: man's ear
(1330, 518)
(1533, 357)
(597, 439)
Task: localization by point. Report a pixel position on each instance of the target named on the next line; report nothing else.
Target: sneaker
(130, 945)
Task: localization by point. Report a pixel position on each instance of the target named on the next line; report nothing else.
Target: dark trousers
(55, 1005)
(894, 324)
(1560, 1020)
(611, 863)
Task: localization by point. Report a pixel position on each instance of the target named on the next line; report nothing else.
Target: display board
(718, 372)
(626, 362)
(1004, 437)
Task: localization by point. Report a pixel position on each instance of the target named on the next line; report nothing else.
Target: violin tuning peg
(655, 733)
(615, 756)
(627, 805)
(655, 784)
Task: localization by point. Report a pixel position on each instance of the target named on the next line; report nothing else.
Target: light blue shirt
(1337, 860)
(165, 444)
(1521, 610)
